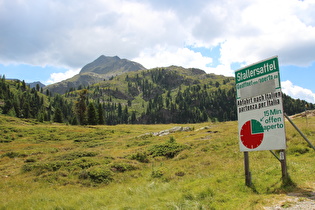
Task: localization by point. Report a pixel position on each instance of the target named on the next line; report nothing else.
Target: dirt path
(294, 201)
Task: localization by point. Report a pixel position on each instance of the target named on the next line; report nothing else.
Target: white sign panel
(259, 106)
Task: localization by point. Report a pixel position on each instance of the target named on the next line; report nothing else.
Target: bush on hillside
(100, 174)
(140, 156)
(122, 166)
(76, 155)
(169, 149)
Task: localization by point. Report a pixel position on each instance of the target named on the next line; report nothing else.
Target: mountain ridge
(34, 84)
(102, 68)
(105, 64)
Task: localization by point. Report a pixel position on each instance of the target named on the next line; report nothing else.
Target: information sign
(259, 106)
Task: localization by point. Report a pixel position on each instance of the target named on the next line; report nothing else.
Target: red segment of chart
(252, 134)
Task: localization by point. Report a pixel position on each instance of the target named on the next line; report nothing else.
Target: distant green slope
(160, 95)
(166, 95)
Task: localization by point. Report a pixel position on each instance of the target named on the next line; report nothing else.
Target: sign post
(259, 107)
(248, 178)
(283, 161)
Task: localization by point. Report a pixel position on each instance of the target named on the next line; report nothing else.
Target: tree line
(164, 100)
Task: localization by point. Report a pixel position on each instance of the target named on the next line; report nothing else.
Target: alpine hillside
(129, 95)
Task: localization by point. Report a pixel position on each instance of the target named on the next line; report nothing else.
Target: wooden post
(248, 178)
(300, 132)
(283, 161)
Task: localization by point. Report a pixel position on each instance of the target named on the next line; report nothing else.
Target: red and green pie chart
(252, 134)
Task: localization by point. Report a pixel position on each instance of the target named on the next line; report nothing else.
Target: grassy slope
(209, 175)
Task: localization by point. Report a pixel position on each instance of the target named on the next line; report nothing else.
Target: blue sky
(51, 40)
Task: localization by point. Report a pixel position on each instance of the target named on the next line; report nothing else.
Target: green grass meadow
(57, 166)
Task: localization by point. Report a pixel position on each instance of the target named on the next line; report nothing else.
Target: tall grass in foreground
(53, 166)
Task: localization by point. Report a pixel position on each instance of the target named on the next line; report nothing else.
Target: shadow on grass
(303, 193)
(288, 184)
(283, 185)
(293, 190)
(301, 198)
(252, 187)
(289, 187)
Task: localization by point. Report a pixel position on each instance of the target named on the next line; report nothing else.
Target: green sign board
(256, 70)
(259, 106)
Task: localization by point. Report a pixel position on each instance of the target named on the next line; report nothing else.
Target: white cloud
(73, 33)
(162, 56)
(222, 69)
(267, 28)
(57, 77)
(297, 92)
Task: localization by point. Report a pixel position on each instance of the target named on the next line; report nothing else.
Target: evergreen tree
(23, 86)
(74, 121)
(100, 112)
(92, 116)
(125, 115)
(81, 108)
(58, 116)
(26, 110)
(41, 117)
(8, 104)
(119, 113)
(133, 117)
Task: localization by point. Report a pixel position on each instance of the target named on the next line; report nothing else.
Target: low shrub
(30, 160)
(138, 143)
(93, 144)
(81, 140)
(169, 149)
(44, 167)
(157, 173)
(7, 139)
(122, 167)
(13, 155)
(76, 155)
(206, 193)
(140, 156)
(78, 164)
(85, 163)
(100, 174)
(180, 173)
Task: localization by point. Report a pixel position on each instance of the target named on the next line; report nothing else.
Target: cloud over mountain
(69, 34)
